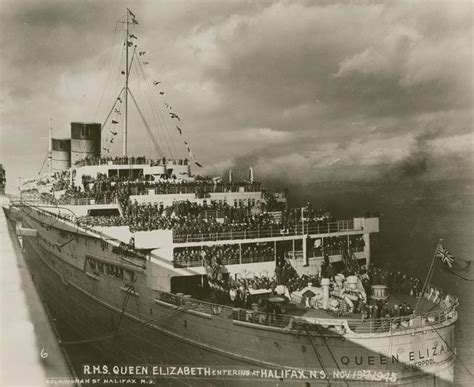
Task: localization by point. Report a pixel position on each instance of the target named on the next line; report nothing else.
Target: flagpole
(126, 88)
(428, 277)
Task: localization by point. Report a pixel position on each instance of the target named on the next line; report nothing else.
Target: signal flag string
(171, 113)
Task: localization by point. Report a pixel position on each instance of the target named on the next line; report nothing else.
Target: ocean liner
(154, 264)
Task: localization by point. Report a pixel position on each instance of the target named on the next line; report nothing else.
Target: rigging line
(157, 111)
(158, 125)
(163, 136)
(451, 349)
(137, 305)
(142, 95)
(30, 210)
(318, 355)
(76, 233)
(44, 161)
(117, 68)
(118, 81)
(131, 61)
(166, 130)
(157, 146)
(124, 306)
(154, 108)
(121, 20)
(109, 66)
(156, 143)
(149, 146)
(111, 110)
(429, 276)
(321, 334)
(113, 106)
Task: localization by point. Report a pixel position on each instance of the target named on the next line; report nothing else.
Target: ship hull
(158, 334)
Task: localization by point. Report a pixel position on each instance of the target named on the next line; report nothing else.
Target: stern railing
(337, 325)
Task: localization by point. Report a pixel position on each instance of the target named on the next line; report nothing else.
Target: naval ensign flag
(456, 266)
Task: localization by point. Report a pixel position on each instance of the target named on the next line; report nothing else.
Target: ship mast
(50, 147)
(125, 127)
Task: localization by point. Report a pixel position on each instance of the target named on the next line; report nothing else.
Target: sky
(302, 91)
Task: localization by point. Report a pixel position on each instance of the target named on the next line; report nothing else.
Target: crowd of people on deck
(335, 244)
(102, 221)
(227, 254)
(195, 256)
(189, 220)
(311, 216)
(125, 160)
(396, 282)
(258, 252)
(61, 180)
(192, 220)
(72, 192)
(382, 314)
(103, 188)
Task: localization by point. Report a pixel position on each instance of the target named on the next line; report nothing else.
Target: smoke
(431, 154)
(240, 165)
(420, 160)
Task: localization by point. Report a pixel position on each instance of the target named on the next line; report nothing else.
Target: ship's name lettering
(369, 360)
(130, 370)
(114, 370)
(426, 353)
(421, 354)
(95, 369)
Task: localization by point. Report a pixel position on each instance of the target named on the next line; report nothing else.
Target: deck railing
(88, 201)
(403, 323)
(197, 189)
(277, 231)
(229, 261)
(339, 326)
(318, 253)
(67, 202)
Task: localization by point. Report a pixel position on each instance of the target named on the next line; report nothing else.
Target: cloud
(301, 89)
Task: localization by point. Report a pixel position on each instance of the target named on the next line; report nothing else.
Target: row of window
(98, 267)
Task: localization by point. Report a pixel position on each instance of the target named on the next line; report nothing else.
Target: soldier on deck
(327, 270)
(278, 272)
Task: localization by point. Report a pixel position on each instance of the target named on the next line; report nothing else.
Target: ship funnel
(85, 141)
(60, 154)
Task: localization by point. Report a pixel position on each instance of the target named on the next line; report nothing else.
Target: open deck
(297, 317)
